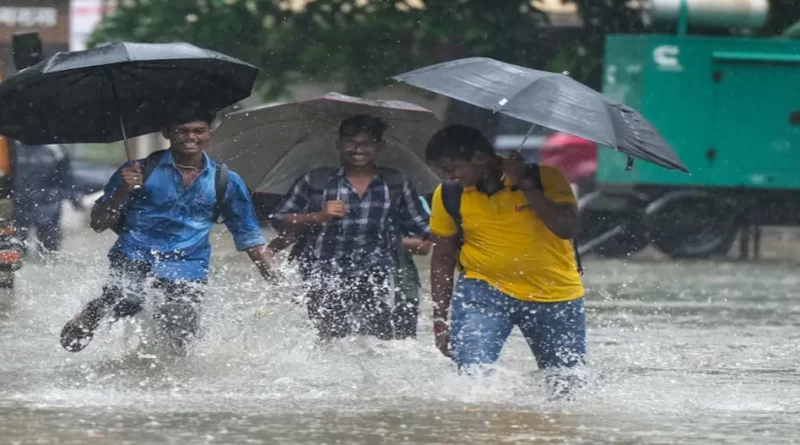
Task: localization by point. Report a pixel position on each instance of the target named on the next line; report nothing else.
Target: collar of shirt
(342, 183)
(169, 159)
(480, 188)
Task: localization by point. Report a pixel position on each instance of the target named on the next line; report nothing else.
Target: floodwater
(689, 353)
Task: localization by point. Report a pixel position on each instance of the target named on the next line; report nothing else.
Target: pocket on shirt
(201, 209)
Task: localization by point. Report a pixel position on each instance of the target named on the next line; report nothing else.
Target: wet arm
(240, 218)
(300, 221)
(443, 265)
(560, 218)
(108, 210)
(291, 215)
(416, 245)
(263, 259)
(281, 242)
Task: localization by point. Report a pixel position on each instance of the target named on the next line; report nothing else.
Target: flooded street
(680, 353)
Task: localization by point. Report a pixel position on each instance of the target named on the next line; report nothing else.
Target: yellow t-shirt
(507, 245)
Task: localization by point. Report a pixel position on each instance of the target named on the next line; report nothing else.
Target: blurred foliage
(358, 43)
(583, 57)
(782, 14)
(255, 31)
(363, 43)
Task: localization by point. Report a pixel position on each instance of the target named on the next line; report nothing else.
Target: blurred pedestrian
(405, 317)
(42, 180)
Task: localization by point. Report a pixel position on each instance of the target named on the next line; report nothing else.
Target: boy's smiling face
(360, 150)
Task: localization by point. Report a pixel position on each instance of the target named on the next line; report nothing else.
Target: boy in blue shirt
(164, 221)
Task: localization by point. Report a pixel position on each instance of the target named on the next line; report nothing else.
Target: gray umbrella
(271, 145)
(548, 99)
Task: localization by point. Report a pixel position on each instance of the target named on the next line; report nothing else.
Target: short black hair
(190, 114)
(363, 123)
(459, 142)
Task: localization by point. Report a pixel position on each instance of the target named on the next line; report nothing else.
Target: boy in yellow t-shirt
(508, 225)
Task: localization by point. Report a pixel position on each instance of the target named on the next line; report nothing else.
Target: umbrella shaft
(525, 139)
(110, 74)
(125, 138)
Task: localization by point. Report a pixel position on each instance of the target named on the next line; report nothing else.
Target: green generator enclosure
(729, 106)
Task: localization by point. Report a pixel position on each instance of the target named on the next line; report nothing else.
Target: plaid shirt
(363, 237)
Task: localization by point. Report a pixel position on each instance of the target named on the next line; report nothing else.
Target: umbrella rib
(612, 124)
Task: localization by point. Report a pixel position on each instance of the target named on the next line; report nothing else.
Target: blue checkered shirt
(363, 237)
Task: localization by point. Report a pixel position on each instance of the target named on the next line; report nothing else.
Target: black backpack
(317, 183)
(451, 199)
(220, 185)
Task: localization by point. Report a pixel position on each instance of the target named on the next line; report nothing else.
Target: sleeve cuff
(442, 234)
(248, 241)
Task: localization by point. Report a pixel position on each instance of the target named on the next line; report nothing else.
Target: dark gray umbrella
(548, 99)
(117, 91)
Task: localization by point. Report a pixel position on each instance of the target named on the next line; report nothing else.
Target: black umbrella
(117, 91)
(548, 99)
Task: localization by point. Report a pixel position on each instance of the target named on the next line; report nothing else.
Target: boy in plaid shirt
(348, 225)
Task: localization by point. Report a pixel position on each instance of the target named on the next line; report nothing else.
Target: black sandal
(75, 336)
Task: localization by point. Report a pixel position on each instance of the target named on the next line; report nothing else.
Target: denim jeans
(483, 317)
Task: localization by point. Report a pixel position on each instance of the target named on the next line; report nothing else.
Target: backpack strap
(317, 182)
(451, 200)
(220, 187)
(150, 163)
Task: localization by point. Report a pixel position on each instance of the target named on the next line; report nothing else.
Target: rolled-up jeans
(483, 317)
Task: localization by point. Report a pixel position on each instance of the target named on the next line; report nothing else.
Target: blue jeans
(483, 317)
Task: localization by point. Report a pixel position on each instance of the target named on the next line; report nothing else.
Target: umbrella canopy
(83, 96)
(272, 145)
(548, 99)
